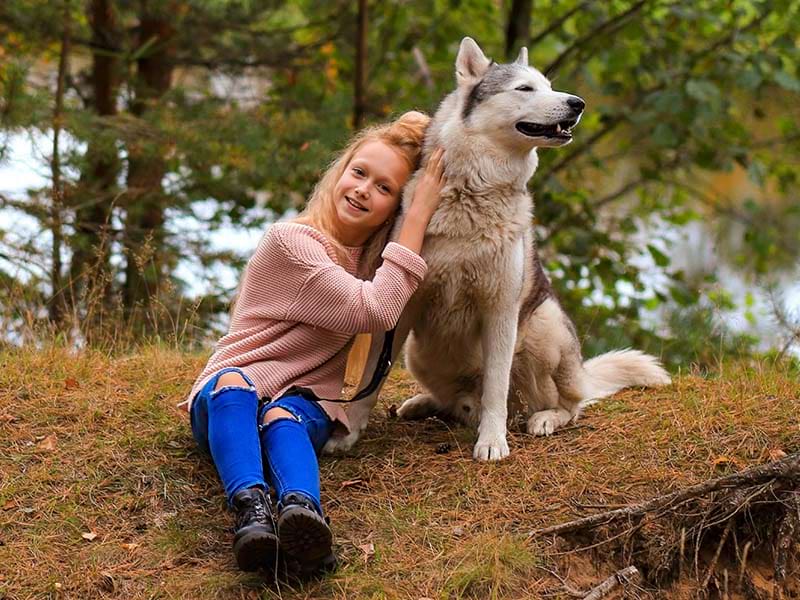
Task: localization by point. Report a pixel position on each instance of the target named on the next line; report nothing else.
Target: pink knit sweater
(298, 311)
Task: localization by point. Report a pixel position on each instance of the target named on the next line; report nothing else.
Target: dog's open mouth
(559, 131)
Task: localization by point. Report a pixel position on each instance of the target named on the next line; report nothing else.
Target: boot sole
(255, 550)
(304, 535)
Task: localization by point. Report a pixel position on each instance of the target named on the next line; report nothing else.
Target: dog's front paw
(339, 445)
(491, 448)
(418, 407)
(543, 423)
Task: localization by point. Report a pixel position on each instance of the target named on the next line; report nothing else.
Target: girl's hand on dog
(429, 186)
(424, 202)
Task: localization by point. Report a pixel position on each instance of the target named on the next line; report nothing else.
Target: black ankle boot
(255, 543)
(304, 533)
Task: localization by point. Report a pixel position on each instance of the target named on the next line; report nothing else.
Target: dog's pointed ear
(471, 62)
(522, 59)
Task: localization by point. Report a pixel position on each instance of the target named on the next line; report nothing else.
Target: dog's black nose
(576, 104)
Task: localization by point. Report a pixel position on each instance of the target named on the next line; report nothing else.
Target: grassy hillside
(103, 494)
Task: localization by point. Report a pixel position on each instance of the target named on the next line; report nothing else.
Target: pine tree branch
(24, 264)
(791, 329)
(271, 59)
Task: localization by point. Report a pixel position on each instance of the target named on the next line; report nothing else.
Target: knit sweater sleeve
(332, 298)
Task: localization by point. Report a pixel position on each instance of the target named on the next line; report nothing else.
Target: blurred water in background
(691, 248)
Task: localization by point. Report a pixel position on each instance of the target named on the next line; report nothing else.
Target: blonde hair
(406, 135)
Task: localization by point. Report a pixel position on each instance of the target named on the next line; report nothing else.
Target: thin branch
(792, 330)
(274, 59)
(715, 558)
(787, 535)
(605, 27)
(36, 210)
(75, 87)
(24, 264)
(627, 576)
(583, 147)
(571, 591)
(624, 189)
(99, 199)
(618, 193)
(769, 142)
(708, 201)
(557, 23)
(424, 69)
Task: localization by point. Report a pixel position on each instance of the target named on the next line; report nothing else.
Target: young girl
(300, 304)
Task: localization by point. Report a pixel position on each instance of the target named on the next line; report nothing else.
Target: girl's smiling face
(368, 192)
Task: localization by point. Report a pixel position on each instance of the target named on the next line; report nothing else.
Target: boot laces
(254, 509)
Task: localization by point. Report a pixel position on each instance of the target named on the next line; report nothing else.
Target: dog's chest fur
(475, 248)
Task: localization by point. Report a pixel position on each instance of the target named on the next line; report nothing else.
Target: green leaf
(750, 79)
(661, 259)
(702, 90)
(787, 81)
(664, 135)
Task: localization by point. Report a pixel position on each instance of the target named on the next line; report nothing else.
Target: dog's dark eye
(524, 88)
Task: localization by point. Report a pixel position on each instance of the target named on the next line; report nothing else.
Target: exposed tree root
(785, 468)
(721, 527)
(787, 535)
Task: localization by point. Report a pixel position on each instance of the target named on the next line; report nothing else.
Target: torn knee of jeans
(276, 414)
(226, 388)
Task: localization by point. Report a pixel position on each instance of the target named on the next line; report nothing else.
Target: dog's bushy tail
(612, 371)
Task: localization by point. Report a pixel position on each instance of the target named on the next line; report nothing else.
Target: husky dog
(484, 330)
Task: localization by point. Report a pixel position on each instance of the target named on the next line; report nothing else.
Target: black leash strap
(381, 370)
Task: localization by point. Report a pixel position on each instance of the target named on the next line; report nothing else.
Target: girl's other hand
(429, 187)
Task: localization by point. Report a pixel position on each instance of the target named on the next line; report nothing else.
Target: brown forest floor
(103, 495)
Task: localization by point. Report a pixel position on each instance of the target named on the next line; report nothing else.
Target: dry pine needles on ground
(103, 494)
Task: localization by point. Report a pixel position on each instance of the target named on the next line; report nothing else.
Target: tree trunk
(518, 29)
(57, 306)
(359, 106)
(90, 269)
(145, 202)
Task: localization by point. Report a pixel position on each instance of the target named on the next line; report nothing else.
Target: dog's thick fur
(484, 329)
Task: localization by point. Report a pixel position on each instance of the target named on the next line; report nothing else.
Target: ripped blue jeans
(228, 424)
